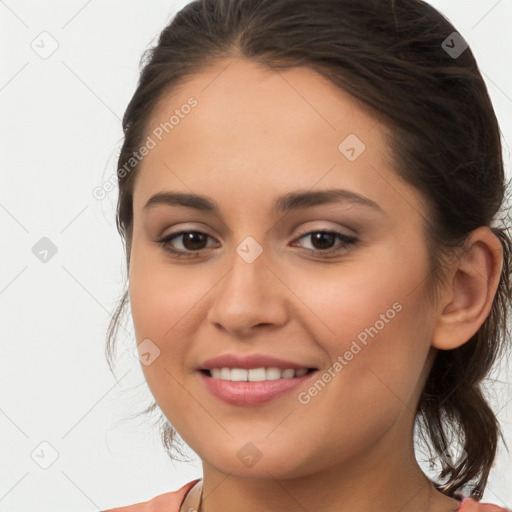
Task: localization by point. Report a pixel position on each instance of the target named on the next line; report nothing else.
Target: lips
(253, 393)
(251, 361)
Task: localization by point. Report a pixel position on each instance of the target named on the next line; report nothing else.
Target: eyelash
(347, 241)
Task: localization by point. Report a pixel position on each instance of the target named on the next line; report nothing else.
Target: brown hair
(394, 57)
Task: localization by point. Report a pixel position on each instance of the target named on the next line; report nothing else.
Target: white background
(61, 132)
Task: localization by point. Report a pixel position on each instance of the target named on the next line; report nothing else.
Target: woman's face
(254, 282)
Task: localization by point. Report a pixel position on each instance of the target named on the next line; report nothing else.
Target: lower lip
(252, 393)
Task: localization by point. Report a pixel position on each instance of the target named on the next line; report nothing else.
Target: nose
(250, 297)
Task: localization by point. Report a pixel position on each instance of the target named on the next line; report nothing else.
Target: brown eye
(190, 243)
(194, 240)
(324, 242)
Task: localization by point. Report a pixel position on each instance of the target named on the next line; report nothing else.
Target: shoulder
(471, 505)
(170, 501)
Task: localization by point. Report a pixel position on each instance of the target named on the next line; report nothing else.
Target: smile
(255, 386)
(256, 374)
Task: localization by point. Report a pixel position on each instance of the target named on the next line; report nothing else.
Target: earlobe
(470, 292)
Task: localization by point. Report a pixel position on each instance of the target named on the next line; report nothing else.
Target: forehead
(253, 128)
(238, 97)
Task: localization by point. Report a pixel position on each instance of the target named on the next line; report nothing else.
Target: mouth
(254, 386)
(255, 374)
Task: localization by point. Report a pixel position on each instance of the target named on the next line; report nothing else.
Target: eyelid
(186, 227)
(344, 244)
(303, 231)
(345, 231)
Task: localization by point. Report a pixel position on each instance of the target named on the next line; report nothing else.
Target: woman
(310, 196)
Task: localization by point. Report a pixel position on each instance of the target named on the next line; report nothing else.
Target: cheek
(167, 308)
(349, 296)
(372, 314)
(161, 295)
(162, 308)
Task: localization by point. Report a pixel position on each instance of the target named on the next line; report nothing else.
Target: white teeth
(273, 373)
(255, 374)
(238, 374)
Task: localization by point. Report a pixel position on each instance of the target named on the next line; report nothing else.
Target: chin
(253, 460)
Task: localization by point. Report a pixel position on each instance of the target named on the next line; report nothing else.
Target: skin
(257, 134)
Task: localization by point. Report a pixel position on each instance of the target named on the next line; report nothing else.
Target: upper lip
(250, 361)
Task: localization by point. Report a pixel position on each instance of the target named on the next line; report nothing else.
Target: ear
(470, 290)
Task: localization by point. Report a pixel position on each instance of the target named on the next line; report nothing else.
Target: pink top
(171, 502)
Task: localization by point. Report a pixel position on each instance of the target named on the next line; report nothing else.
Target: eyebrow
(288, 202)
